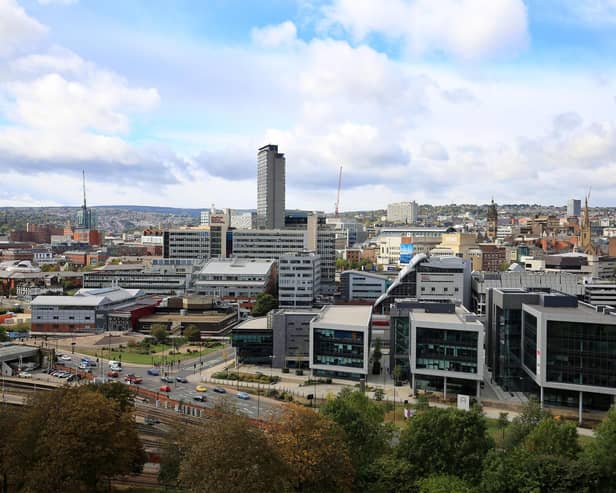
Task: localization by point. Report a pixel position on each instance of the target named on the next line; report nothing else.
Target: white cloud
(465, 29)
(280, 35)
(434, 151)
(589, 12)
(17, 29)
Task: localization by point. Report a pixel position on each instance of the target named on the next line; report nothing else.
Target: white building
(237, 278)
(357, 285)
(244, 220)
(402, 212)
(299, 279)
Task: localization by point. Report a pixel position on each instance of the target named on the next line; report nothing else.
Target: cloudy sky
(165, 102)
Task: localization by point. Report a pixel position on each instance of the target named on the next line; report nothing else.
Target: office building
(186, 244)
(253, 341)
(457, 244)
(402, 212)
(270, 187)
(86, 312)
(299, 279)
(291, 332)
(569, 352)
(244, 220)
(438, 279)
(446, 350)
(574, 208)
(348, 232)
(356, 285)
(236, 278)
(339, 342)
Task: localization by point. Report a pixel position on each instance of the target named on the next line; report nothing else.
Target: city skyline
(519, 107)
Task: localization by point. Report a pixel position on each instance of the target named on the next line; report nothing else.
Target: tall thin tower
(84, 215)
(270, 187)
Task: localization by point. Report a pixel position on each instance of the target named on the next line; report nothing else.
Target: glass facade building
(530, 342)
(449, 350)
(253, 346)
(338, 348)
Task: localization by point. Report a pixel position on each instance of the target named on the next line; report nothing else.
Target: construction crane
(338, 196)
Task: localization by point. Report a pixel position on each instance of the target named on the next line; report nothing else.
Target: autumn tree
(159, 332)
(228, 455)
(71, 439)
(314, 448)
(192, 333)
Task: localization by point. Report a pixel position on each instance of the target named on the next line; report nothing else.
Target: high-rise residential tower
(270, 187)
(574, 208)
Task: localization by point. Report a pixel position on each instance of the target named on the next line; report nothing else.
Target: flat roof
(346, 315)
(10, 352)
(252, 324)
(460, 316)
(257, 267)
(195, 318)
(579, 314)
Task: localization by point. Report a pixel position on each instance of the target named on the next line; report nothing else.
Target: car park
(165, 388)
(154, 372)
(243, 395)
(200, 398)
(181, 380)
(220, 390)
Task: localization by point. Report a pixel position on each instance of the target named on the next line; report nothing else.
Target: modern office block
(402, 212)
(299, 279)
(186, 244)
(291, 329)
(244, 278)
(270, 187)
(574, 208)
(357, 285)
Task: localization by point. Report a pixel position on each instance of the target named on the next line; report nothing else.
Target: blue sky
(165, 103)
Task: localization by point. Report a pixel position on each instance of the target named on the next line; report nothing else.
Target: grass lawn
(131, 355)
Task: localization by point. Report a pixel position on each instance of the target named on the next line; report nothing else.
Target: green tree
(70, 439)
(362, 421)
(502, 423)
(601, 452)
(444, 484)
(522, 425)
(3, 335)
(263, 304)
(159, 332)
(445, 441)
(551, 437)
(192, 333)
(388, 474)
(230, 455)
(314, 448)
(377, 354)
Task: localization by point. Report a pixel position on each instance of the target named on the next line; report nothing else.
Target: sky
(439, 101)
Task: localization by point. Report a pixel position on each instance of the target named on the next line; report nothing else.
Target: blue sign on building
(406, 252)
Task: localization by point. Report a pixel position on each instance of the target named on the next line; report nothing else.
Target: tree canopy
(263, 304)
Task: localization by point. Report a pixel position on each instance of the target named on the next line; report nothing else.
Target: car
(243, 395)
(65, 357)
(73, 378)
(64, 374)
(220, 390)
(133, 379)
(153, 371)
(166, 379)
(165, 388)
(113, 374)
(83, 366)
(115, 368)
(201, 388)
(200, 398)
(181, 380)
(25, 374)
(151, 420)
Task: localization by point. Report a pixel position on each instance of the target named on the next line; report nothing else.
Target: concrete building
(299, 279)
(186, 244)
(339, 342)
(348, 232)
(240, 278)
(291, 337)
(356, 285)
(244, 220)
(446, 350)
(270, 187)
(253, 341)
(438, 279)
(402, 212)
(86, 312)
(569, 352)
(456, 244)
(574, 208)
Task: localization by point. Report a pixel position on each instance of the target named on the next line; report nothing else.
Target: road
(254, 407)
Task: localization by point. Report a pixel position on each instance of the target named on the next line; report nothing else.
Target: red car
(165, 388)
(133, 379)
(112, 374)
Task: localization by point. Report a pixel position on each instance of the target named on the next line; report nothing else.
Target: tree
(192, 333)
(502, 423)
(230, 455)
(389, 475)
(71, 439)
(376, 357)
(314, 448)
(362, 421)
(397, 373)
(521, 426)
(601, 452)
(3, 335)
(263, 304)
(551, 437)
(159, 332)
(444, 484)
(445, 441)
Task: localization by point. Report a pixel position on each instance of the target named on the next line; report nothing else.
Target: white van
(115, 365)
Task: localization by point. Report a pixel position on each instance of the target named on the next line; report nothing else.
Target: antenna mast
(84, 187)
(338, 196)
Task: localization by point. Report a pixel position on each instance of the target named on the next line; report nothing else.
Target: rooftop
(255, 267)
(89, 297)
(12, 351)
(353, 315)
(461, 316)
(187, 319)
(253, 324)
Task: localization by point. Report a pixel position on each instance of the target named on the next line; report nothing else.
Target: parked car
(199, 397)
(220, 390)
(65, 357)
(130, 378)
(115, 368)
(153, 371)
(181, 380)
(25, 374)
(73, 378)
(113, 374)
(166, 379)
(165, 388)
(243, 395)
(151, 420)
